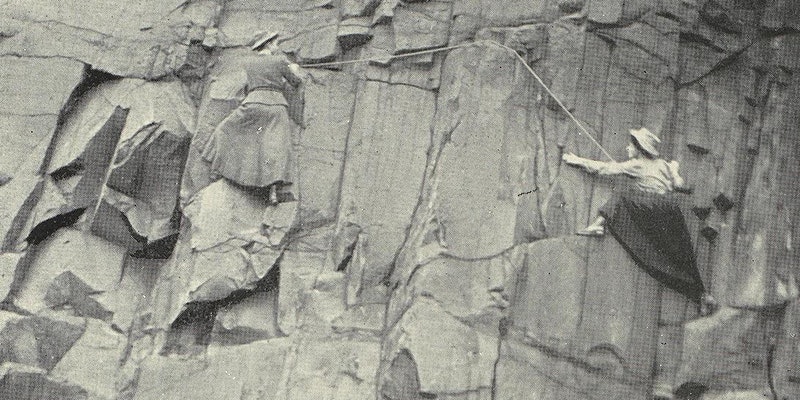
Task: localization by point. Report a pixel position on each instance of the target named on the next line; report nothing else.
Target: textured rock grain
(425, 248)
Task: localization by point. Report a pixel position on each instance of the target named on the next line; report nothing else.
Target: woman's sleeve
(677, 179)
(290, 76)
(630, 168)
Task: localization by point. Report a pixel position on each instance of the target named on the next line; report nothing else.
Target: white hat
(646, 140)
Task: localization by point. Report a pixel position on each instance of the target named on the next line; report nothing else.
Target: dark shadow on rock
(401, 381)
(44, 229)
(191, 332)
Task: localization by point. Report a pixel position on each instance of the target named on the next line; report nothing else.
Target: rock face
(425, 249)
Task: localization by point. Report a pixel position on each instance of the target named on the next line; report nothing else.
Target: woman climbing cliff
(645, 218)
(252, 145)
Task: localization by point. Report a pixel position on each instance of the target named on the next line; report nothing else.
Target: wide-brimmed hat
(646, 140)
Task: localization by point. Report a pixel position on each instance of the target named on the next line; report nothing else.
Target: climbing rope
(448, 48)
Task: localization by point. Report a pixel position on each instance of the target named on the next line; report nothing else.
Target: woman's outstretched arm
(629, 167)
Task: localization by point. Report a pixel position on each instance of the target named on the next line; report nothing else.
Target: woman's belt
(265, 95)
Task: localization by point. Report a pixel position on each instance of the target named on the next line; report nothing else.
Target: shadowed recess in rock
(97, 159)
(401, 381)
(46, 228)
(194, 328)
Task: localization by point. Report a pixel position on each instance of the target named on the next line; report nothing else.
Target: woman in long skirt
(645, 216)
(252, 145)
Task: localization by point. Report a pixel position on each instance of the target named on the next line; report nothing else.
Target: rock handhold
(701, 212)
(723, 202)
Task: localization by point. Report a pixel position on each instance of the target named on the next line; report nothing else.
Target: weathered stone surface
(780, 14)
(14, 197)
(354, 32)
(319, 45)
(527, 369)
(227, 247)
(468, 351)
(133, 134)
(150, 175)
(152, 108)
(421, 25)
(212, 221)
(590, 278)
(298, 272)
(254, 318)
(605, 11)
(625, 318)
(551, 319)
(8, 264)
(306, 29)
(41, 340)
(786, 354)
(106, 35)
(385, 11)
(28, 121)
(647, 50)
(29, 115)
(48, 216)
(476, 143)
(225, 372)
(93, 360)
(476, 292)
(430, 252)
(375, 143)
(358, 8)
(131, 293)
(67, 290)
(336, 369)
(765, 262)
(330, 99)
(30, 383)
(99, 266)
(728, 350)
(494, 13)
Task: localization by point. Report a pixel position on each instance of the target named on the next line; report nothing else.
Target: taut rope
(448, 48)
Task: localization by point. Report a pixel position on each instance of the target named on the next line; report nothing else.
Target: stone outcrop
(425, 248)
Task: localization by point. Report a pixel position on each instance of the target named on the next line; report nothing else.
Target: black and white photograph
(400, 199)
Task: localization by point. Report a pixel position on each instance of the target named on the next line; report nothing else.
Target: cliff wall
(427, 250)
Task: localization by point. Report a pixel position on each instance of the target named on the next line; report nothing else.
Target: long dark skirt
(652, 229)
(252, 145)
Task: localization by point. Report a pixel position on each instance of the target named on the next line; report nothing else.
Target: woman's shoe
(708, 305)
(593, 231)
